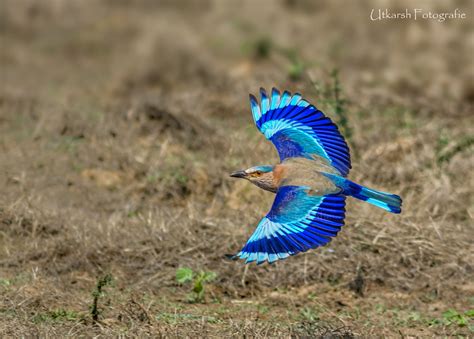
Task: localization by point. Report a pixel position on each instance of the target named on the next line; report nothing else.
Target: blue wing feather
(265, 102)
(255, 108)
(299, 129)
(296, 223)
(275, 99)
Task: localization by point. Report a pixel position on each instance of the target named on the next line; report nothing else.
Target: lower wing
(297, 222)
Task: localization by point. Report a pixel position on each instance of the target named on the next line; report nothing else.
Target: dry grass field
(120, 122)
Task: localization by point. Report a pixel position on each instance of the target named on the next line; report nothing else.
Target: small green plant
(309, 314)
(260, 48)
(133, 214)
(97, 293)
(297, 66)
(262, 309)
(380, 308)
(185, 275)
(339, 104)
(296, 70)
(57, 315)
(263, 47)
(331, 95)
(453, 317)
(5, 282)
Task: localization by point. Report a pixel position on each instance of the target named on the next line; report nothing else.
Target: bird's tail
(387, 201)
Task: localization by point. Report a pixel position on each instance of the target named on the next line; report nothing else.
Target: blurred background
(121, 120)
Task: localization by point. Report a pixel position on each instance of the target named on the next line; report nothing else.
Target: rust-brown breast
(279, 173)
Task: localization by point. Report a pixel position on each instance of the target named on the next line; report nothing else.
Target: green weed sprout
(97, 293)
(264, 47)
(331, 96)
(452, 316)
(185, 275)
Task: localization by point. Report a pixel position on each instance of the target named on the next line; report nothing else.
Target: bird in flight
(310, 181)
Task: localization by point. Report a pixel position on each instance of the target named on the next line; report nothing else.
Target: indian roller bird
(309, 182)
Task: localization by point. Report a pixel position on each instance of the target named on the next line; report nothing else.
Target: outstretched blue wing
(296, 222)
(299, 129)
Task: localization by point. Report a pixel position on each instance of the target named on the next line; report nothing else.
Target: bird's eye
(258, 172)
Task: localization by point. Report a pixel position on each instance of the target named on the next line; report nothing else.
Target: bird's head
(262, 176)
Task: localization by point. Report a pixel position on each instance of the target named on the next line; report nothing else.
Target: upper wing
(296, 222)
(298, 129)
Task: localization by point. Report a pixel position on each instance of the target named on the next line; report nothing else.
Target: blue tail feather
(387, 201)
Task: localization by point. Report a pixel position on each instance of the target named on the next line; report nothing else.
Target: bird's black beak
(238, 174)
